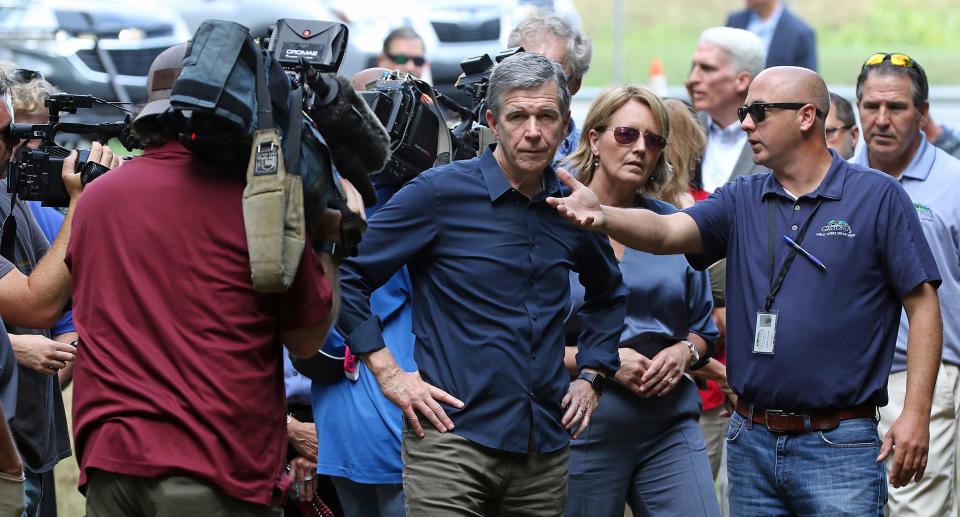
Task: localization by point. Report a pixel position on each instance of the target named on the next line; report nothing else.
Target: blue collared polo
(489, 269)
(837, 328)
(932, 179)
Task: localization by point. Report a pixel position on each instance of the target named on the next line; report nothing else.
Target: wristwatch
(694, 353)
(596, 380)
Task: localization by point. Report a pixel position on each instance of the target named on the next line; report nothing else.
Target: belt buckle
(777, 412)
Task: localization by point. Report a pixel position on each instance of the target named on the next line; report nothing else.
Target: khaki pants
(448, 475)
(109, 495)
(11, 495)
(936, 493)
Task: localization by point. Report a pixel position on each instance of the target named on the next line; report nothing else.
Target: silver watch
(694, 353)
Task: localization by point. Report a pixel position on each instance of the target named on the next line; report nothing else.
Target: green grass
(847, 32)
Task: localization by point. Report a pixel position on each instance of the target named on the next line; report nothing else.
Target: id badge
(766, 334)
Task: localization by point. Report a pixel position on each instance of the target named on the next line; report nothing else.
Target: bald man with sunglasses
(892, 98)
(823, 255)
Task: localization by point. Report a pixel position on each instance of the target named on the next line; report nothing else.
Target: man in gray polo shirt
(892, 99)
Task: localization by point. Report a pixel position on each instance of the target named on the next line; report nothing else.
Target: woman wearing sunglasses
(644, 446)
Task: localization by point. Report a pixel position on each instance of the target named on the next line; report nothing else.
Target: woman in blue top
(643, 447)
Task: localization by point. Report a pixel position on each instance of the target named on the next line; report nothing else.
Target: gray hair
(579, 46)
(747, 52)
(526, 71)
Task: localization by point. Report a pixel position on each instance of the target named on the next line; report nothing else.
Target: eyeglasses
(758, 110)
(401, 59)
(23, 76)
(629, 135)
(831, 130)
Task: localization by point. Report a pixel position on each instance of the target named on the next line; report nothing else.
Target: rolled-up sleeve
(395, 235)
(604, 308)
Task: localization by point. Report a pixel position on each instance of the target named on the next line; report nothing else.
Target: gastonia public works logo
(837, 227)
(923, 211)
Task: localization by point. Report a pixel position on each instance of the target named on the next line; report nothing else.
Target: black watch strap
(597, 381)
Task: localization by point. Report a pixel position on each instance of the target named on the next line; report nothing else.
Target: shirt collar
(770, 23)
(830, 188)
(730, 132)
(920, 165)
(496, 180)
(922, 161)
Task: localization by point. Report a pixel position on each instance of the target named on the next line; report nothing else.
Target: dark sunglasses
(758, 110)
(831, 130)
(401, 59)
(629, 135)
(23, 76)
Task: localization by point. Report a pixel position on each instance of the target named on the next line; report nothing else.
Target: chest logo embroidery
(836, 228)
(924, 212)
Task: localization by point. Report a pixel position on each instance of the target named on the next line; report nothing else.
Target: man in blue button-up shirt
(811, 333)
(893, 101)
(489, 262)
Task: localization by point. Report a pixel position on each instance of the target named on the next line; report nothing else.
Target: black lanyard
(777, 283)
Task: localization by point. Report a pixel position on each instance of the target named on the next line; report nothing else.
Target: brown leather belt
(795, 422)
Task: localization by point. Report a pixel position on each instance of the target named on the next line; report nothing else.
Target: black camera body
(413, 126)
(472, 132)
(36, 174)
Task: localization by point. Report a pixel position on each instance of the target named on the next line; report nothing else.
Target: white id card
(766, 334)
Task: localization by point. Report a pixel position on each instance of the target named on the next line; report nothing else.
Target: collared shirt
(932, 179)
(836, 329)
(764, 29)
(667, 299)
(489, 269)
(724, 145)
(568, 145)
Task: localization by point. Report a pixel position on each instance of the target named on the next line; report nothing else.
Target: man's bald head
(794, 84)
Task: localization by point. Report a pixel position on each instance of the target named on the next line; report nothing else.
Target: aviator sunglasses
(758, 110)
(401, 59)
(629, 135)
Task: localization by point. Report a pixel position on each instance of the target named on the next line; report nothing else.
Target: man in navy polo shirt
(892, 97)
(822, 256)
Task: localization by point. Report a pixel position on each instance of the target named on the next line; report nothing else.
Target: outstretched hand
(582, 207)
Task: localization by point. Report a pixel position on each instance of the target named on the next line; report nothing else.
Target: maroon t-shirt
(179, 370)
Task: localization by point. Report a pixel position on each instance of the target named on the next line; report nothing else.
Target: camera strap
(272, 203)
(445, 142)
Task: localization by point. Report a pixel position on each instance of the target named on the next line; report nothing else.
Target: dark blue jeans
(648, 453)
(817, 473)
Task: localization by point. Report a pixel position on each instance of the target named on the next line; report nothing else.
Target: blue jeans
(817, 473)
(32, 492)
(648, 453)
(366, 500)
